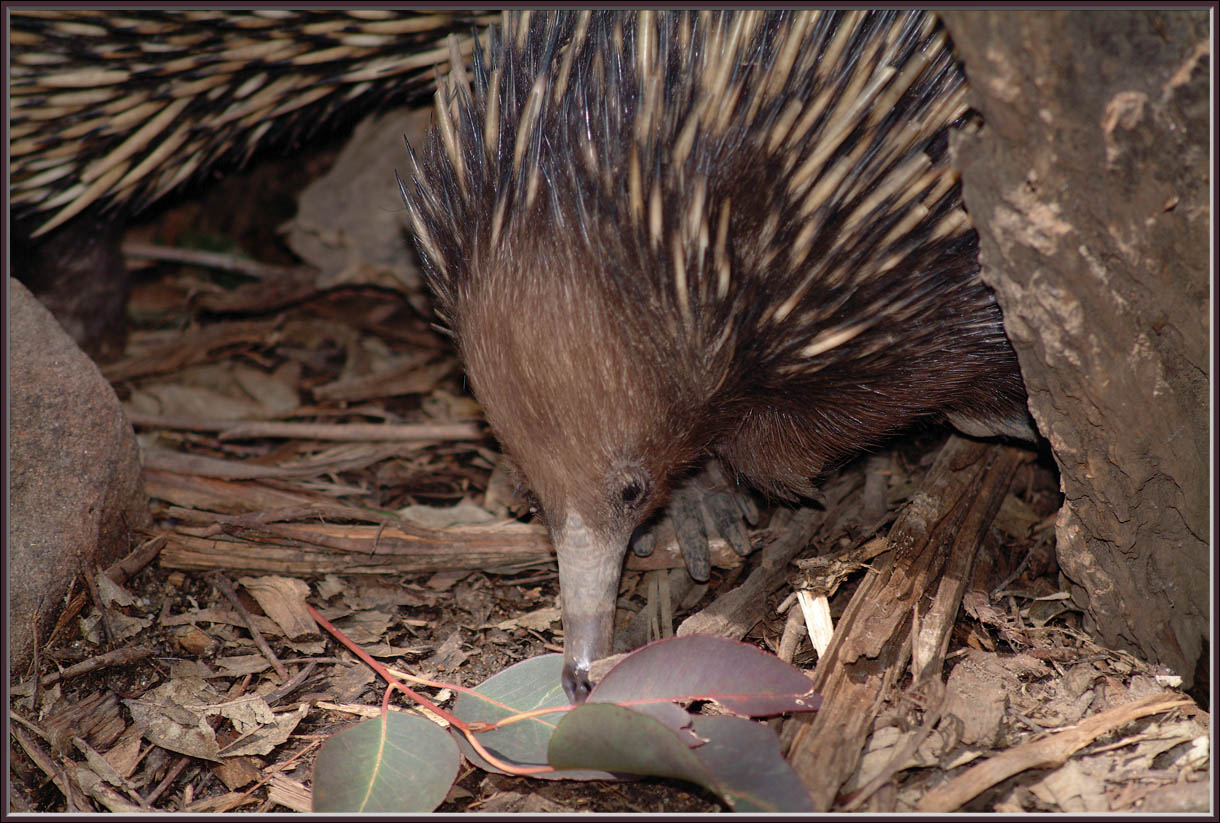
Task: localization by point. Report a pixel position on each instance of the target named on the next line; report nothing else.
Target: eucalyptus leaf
(393, 764)
(528, 685)
(742, 678)
(741, 760)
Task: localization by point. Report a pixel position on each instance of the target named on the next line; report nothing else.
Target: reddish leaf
(740, 677)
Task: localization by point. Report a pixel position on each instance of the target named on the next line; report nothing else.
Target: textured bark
(903, 610)
(1089, 187)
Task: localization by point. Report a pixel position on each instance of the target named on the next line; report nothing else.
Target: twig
(181, 763)
(116, 657)
(226, 588)
(345, 432)
(291, 685)
(206, 259)
(122, 570)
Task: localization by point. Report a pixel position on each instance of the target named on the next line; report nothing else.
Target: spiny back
(765, 196)
(123, 105)
(748, 155)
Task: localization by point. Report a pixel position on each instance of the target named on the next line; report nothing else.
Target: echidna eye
(531, 502)
(632, 493)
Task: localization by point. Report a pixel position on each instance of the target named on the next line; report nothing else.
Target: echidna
(111, 109)
(660, 237)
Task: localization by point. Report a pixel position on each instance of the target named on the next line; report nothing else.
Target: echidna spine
(118, 107)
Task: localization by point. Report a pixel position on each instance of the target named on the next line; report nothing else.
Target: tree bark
(1089, 187)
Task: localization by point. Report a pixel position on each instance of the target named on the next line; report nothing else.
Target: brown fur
(573, 389)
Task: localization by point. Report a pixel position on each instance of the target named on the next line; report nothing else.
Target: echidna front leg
(703, 506)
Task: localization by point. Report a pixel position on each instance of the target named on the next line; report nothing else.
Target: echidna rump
(110, 109)
(663, 237)
(122, 105)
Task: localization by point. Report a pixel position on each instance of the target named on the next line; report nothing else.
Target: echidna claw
(700, 509)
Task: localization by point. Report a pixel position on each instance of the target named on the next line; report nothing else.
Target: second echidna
(663, 237)
(111, 109)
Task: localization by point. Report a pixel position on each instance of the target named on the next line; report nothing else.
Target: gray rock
(75, 486)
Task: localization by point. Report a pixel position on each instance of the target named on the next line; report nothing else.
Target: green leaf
(745, 759)
(528, 685)
(741, 762)
(398, 763)
(614, 738)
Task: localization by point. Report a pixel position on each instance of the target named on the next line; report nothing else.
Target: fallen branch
(345, 432)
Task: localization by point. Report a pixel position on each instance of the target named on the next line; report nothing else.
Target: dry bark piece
(92, 718)
(236, 772)
(255, 540)
(934, 539)
(289, 793)
(1046, 752)
(199, 346)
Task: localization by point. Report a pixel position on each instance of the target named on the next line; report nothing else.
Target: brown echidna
(663, 237)
(111, 109)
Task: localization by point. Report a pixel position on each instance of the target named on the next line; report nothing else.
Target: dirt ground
(210, 346)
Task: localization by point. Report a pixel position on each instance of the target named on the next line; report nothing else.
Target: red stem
(467, 729)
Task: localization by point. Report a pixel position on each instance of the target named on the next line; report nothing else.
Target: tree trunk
(1089, 187)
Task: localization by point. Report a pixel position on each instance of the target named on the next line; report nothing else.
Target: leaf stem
(468, 730)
